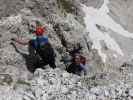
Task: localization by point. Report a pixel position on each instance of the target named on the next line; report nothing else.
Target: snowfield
(100, 17)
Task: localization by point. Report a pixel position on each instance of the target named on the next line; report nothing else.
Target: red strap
(83, 60)
(39, 31)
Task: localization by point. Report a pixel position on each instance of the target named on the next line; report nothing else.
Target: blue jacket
(39, 41)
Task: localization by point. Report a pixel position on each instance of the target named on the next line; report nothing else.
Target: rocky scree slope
(64, 22)
(56, 84)
(62, 26)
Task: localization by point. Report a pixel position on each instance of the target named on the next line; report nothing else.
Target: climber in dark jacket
(78, 65)
(39, 46)
(78, 61)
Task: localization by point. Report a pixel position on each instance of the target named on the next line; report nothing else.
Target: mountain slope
(101, 28)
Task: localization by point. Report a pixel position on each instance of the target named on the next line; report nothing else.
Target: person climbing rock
(78, 61)
(39, 46)
(78, 65)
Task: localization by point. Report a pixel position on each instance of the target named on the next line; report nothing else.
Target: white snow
(100, 17)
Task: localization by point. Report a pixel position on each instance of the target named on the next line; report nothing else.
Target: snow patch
(111, 43)
(104, 7)
(100, 17)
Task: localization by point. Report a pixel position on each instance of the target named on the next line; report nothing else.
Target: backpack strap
(83, 60)
(38, 43)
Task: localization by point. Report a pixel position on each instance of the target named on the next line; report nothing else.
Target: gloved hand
(13, 39)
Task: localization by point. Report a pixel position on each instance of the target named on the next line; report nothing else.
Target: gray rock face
(8, 7)
(93, 3)
(64, 23)
(121, 12)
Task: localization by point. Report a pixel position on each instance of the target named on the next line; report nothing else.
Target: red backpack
(82, 60)
(39, 31)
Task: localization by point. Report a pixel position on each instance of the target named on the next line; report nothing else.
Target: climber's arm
(21, 41)
(84, 69)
